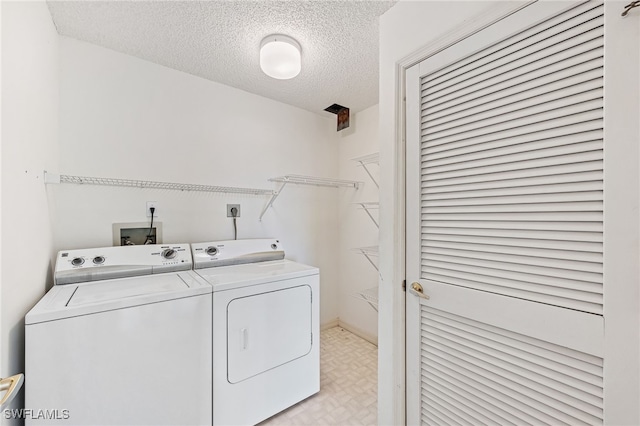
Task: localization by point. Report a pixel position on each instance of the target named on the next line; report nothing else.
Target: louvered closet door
(504, 223)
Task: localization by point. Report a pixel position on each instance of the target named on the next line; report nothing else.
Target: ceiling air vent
(342, 113)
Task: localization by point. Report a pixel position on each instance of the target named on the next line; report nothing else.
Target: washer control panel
(234, 252)
(82, 265)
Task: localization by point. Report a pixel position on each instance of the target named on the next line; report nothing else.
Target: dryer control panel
(93, 264)
(235, 252)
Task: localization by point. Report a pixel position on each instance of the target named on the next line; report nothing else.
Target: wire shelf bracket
(307, 180)
(368, 253)
(51, 178)
(370, 296)
(367, 160)
(367, 207)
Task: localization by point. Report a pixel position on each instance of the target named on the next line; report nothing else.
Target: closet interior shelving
(369, 295)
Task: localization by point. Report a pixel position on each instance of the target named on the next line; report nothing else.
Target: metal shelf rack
(369, 295)
(307, 180)
(50, 178)
(366, 160)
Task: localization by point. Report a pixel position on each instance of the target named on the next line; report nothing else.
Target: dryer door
(267, 330)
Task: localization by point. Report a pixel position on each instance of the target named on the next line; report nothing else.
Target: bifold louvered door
(504, 223)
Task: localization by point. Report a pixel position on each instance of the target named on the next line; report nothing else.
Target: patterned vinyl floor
(348, 385)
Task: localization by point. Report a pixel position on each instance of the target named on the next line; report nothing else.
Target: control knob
(212, 251)
(77, 261)
(169, 253)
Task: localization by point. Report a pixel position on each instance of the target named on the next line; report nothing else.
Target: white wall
(356, 229)
(407, 27)
(29, 145)
(126, 118)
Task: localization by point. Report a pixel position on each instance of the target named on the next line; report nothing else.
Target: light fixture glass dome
(280, 57)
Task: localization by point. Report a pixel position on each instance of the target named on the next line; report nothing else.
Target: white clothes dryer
(123, 338)
(266, 334)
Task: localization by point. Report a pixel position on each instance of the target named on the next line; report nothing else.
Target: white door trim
(621, 218)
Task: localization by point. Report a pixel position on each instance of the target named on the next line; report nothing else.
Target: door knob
(416, 289)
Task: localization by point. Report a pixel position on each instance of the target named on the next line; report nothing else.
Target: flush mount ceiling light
(280, 57)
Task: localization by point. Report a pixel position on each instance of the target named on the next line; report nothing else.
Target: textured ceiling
(220, 40)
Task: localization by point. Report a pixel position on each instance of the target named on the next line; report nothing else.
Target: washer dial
(169, 253)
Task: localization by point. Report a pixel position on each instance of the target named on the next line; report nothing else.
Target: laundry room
(107, 113)
(112, 108)
(127, 118)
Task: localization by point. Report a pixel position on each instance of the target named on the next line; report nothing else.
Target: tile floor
(348, 385)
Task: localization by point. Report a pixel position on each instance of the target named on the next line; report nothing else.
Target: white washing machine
(123, 338)
(266, 334)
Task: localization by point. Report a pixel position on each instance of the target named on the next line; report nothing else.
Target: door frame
(621, 224)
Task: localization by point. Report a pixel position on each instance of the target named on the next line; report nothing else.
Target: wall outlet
(153, 204)
(231, 206)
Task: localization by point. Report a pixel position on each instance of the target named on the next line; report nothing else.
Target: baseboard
(358, 332)
(330, 324)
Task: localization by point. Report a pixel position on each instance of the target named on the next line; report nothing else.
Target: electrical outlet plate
(230, 206)
(153, 204)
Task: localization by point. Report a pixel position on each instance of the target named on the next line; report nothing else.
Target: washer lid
(236, 276)
(121, 289)
(88, 298)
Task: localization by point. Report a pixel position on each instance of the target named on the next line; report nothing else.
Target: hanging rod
(307, 180)
(86, 180)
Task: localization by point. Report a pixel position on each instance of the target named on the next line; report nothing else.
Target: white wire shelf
(370, 296)
(370, 250)
(307, 180)
(316, 181)
(367, 160)
(368, 253)
(367, 206)
(130, 183)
